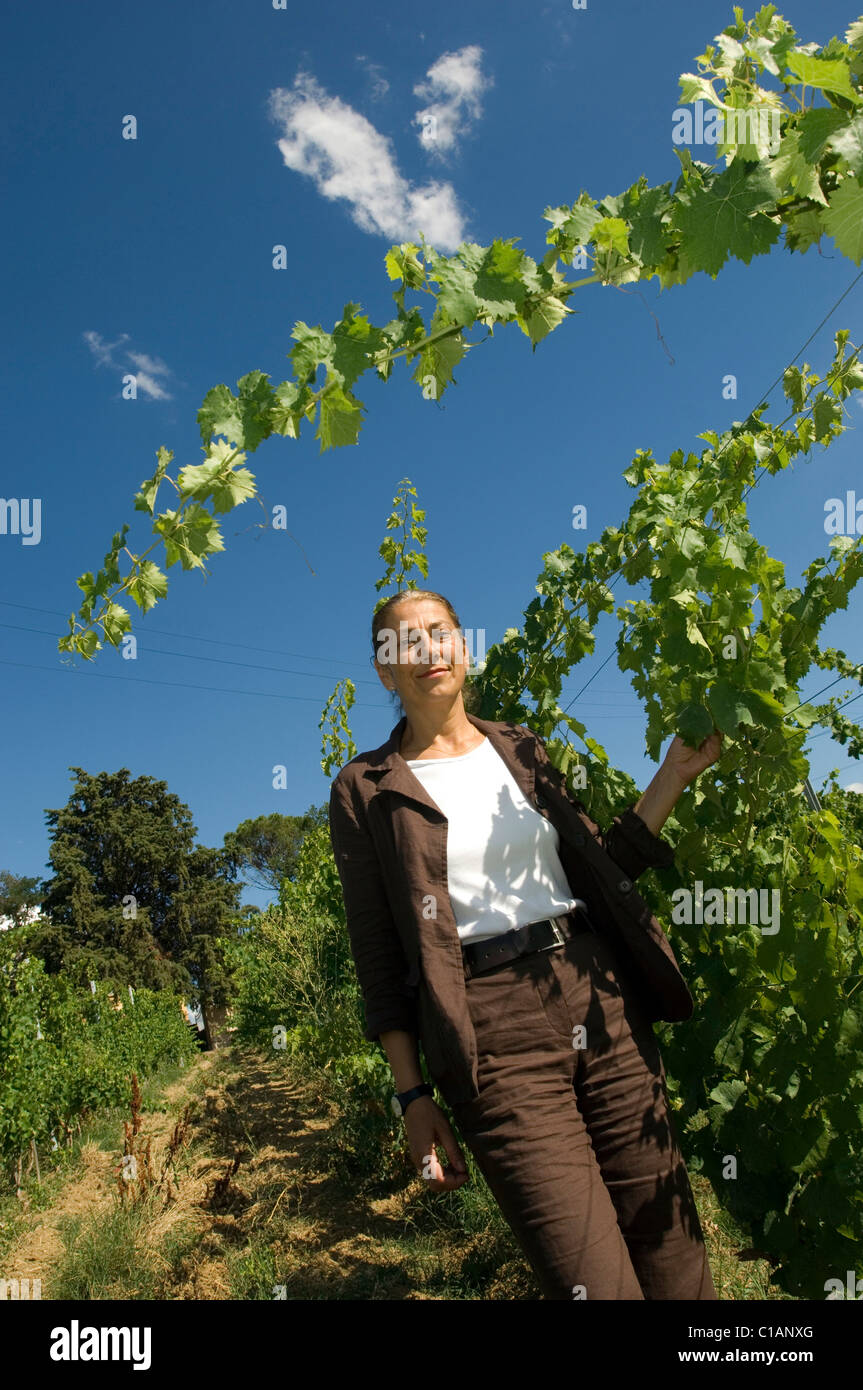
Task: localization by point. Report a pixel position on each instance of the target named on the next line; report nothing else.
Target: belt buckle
(559, 938)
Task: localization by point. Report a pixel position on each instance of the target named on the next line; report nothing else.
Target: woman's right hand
(427, 1126)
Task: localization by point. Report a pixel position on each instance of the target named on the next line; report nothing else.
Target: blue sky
(154, 255)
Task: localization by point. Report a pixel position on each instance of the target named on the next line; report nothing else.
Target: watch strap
(404, 1098)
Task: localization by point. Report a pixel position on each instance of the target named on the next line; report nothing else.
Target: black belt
(544, 935)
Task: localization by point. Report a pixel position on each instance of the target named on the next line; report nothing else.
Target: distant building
(31, 914)
(194, 1017)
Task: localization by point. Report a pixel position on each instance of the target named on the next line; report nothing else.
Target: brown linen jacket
(389, 840)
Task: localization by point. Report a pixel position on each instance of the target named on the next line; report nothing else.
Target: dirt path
(255, 1208)
(312, 1236)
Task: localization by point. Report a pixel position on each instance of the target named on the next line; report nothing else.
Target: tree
(265, 849)
(132, 898)
(18, 896)
(208, 902)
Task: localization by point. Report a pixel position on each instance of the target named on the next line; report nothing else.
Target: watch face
(395, 1106)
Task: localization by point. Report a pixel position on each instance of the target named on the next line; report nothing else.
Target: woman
(484, 910)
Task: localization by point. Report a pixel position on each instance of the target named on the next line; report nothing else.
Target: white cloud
(348, 159)
(102, 351)
(452, 89)
(854, 787)
(380, 85)
(146, 369)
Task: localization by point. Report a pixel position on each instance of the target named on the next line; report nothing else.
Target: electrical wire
(761, 399)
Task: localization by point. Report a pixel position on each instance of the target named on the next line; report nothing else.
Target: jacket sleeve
(375, 945)
(628, 841)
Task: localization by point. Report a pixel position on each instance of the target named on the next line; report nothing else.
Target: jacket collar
(390, 771)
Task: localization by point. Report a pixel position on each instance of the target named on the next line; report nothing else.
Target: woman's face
(421, 654)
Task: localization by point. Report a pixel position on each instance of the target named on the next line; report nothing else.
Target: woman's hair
(384, 618)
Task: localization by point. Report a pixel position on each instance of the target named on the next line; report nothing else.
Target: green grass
(253, 1273)
(64, 1164)
(105, 1258)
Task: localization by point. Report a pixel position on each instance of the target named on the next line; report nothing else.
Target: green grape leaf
(88, 643)
(434, 371)
(694, 634)
(648, 232)
(457, 298)
(765, 706)
(286, 408)
(402, 263)
(582, 218)
(145, 500)
(611, 234)
(727, 1093)
(219, 478)
(848, 143)
(843, 220)
(693, 723)
(823, 74)
(729, 706)
(354, 341)
(793, 173)
(803, 229)
(255, 401)
(826, 412)
(694, 87)
(499, 275)
(724, 217)
(148, 586)
(219, 414)
(340, 419)
(314, 348)
(815, 130)
(243, 420)
(542, 317)
(115, 621)
(190, 537)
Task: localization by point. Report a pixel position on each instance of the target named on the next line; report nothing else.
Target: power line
(257, 666)
(252, 666)
(850, 701)
(847, 766)
(217, 660)
(280, 670)
(183, 685)
(761, 398)
(184, 636)
(596, 673)
(218, 689)
(813, 334)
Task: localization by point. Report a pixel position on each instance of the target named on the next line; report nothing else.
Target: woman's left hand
(688, 763)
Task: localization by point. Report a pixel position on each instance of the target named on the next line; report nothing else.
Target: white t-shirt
(503, 866)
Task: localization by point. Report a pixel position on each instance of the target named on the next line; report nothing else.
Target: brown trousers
(573, 1130)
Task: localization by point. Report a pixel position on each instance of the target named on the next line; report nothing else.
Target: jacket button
(578, 840)
(624, 886)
